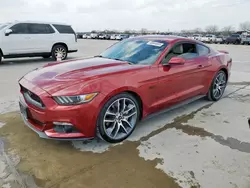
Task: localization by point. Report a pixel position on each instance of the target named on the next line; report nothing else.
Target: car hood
(57, 76)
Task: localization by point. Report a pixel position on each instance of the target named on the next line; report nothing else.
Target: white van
(32, 39)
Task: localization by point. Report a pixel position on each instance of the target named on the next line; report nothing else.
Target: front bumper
(43, 135)
(41, 120)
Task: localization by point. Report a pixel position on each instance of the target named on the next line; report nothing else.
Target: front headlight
(74, 100)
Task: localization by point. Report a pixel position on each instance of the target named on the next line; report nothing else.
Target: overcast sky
(164, 15)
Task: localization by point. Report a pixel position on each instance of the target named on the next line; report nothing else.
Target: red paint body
(157, 86)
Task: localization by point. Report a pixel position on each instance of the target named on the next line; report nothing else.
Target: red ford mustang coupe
(108, 94)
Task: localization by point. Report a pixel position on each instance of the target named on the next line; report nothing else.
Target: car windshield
(137, 51)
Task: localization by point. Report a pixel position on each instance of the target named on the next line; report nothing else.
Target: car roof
(38, 22)
(167, 38)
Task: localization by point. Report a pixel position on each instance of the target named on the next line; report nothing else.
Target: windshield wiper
(129, 62)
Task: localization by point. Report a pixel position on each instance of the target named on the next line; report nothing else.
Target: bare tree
(197, 30)
(127, 32)
(144, 31)
(228, 30)
(212, 29)
(245, 26)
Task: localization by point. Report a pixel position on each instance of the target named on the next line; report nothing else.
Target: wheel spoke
(109, 121)
(126, 121)
(219, 92)
(127, 111)
(113, 128)
(118, 106)
(215, 92)
(110, 113)
(130, 115)
(122, 126)
(124, 105)
(117, 130)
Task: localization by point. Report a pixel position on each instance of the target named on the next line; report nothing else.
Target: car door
(41, 36)
(183, 81)
(18, 41)
(204, 61)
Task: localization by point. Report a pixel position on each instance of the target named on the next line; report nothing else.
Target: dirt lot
(201, 144)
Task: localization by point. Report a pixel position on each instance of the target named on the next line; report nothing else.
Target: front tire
(217, 87)
(1, 57)
(118, 118)
(57, 49)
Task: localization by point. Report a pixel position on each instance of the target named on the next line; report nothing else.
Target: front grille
(33, 98)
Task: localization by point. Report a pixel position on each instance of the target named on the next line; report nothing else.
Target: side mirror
(177, 61)
(8, 32)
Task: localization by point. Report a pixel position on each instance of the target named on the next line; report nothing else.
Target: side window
(184, 50)
(49, 29)
(39, 29)
(20, 28)
(202, 50)
(65, 29)
(189, 51)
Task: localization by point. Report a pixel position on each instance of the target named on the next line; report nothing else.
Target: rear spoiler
(223, 51)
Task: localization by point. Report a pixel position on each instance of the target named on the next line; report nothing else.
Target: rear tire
(1, 58)
(59, 49)
(118, 118)
(217, 87)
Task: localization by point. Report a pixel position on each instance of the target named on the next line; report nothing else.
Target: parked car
(120, 89)
(246, 40)
(89, 36)
(233, 39)
(118, 37)
(32, 39)
(197, 37)
(107, 36)
(122, 36)
(113, 37)
(219, 40)
(209, 38)
(94, 35)
(101, 36)
(84, 36)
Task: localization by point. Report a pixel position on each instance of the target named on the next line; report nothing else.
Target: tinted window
(202, 50)
(235, 35)
(64, 29)
(40, 29)
(21, 28)
(136, 51)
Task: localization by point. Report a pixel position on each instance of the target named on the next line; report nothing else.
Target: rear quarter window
(65, 29)
(202, 50)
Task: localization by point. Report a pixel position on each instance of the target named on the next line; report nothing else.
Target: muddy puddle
(54, 164)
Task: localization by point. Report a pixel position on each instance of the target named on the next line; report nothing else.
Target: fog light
(64, 127)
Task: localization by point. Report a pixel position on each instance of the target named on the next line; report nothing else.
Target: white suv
(32, 39)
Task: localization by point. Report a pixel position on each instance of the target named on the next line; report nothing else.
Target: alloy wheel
(219, 85)
(120, 118)
(61, 51)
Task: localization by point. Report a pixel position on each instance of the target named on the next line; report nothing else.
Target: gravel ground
(201, 144)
